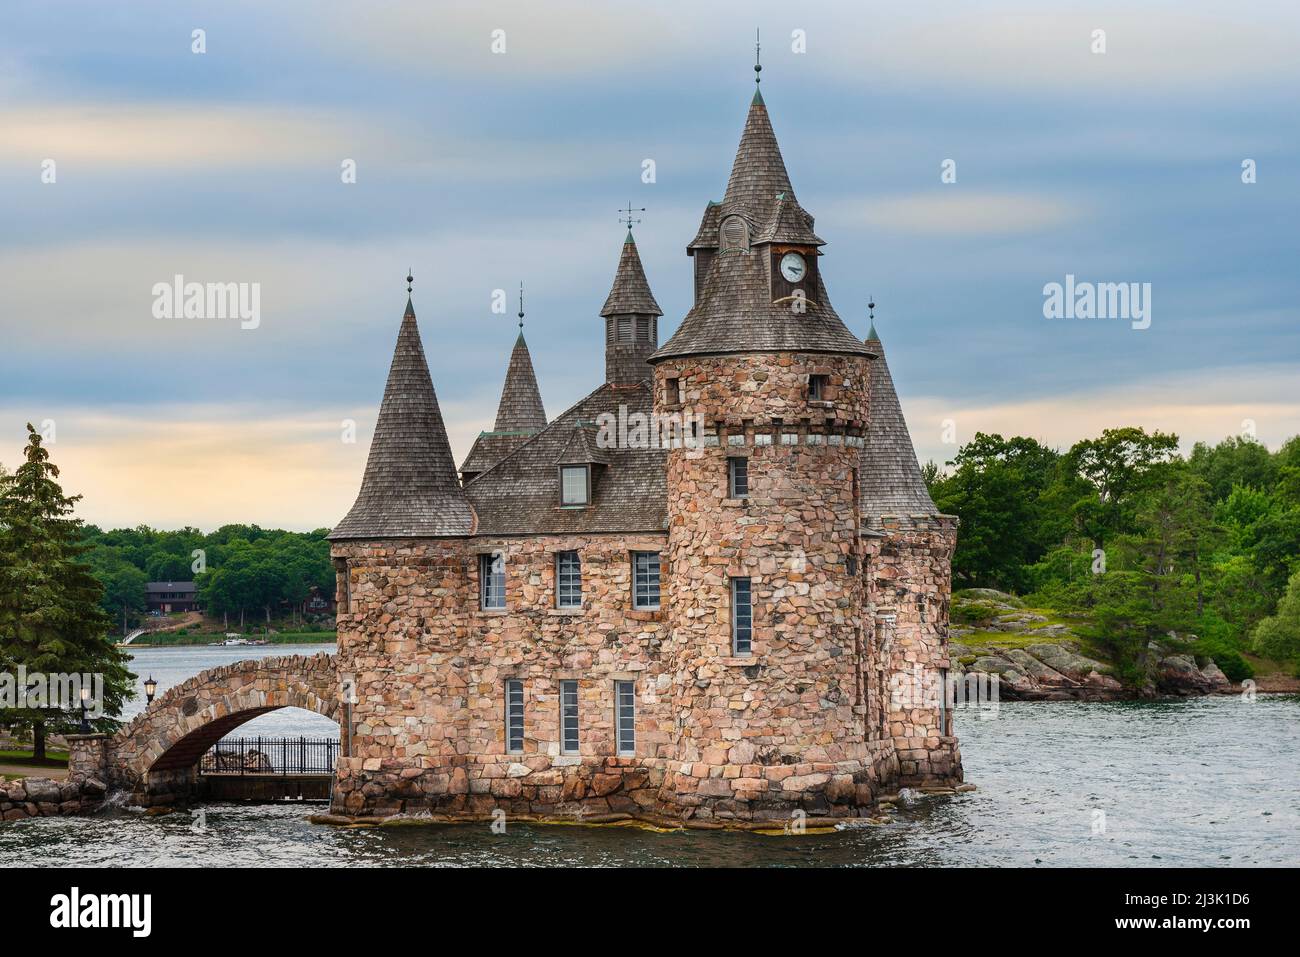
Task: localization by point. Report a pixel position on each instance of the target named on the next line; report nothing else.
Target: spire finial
(871, 307)
(758, 62)
(521, 306)
(409, 279)
(628, 218)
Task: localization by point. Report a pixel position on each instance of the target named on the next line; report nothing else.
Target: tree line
(1139, 538)
(240, 570)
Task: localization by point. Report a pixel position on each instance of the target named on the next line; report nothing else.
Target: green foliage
(51, 618)
(1122, 530)
(1278, 636)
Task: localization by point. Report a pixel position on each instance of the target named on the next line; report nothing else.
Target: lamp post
(85, 725)
(150, 686)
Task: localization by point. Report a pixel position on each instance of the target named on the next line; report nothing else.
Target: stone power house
(746, 619)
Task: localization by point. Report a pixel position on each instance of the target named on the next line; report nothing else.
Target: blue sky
(479, 170)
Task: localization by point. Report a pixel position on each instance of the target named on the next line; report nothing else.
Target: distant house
(167, 597)
(318, 603)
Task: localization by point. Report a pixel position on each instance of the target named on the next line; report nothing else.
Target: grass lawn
(53, 759)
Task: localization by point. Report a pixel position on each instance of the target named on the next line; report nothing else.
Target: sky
(128, 158)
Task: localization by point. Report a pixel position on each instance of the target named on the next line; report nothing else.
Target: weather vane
(628, 218)
(758, 62)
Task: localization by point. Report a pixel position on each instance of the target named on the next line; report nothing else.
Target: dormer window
(733, 236)
(575, 485)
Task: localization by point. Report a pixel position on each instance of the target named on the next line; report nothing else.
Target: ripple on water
(1208, 781)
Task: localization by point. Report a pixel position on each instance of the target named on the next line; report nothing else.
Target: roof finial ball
(409, 279)
(758, 65)
(871, 307)
(521, 307)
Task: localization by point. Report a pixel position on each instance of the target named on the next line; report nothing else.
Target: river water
(1206, 781)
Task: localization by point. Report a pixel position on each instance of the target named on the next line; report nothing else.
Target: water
(1207, 781)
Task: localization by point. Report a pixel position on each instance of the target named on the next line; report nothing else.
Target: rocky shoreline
(1037, 659)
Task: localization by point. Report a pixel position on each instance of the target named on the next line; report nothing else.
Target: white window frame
(491, 573)
(737, 463)
(571, 578)
(569, 711)
(514, 716)
(653, 576)
(586, 485)
(625, 718)
(742, 624)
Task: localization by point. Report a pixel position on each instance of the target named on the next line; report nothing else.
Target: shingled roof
(734, 311)
(630, 292)
(520, 495)
(890, 476)
(519, 414)
(410, 488)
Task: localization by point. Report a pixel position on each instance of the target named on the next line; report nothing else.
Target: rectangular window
(738, 477)
(624, 328)
(569, 717)
(643, 328)
(492, 581)
(816, 387)
(851, 565)
(673, 392)
(742, 617)
(568, 580)
(573, 485)
(625, 695)
(514, 716)
(645, 579)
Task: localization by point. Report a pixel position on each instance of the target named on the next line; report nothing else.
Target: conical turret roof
(735, 311)
(519, 415)
(631, 291)
(410, 488)
(889, 474)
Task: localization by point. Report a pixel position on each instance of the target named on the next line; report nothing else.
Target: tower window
(742, 617)
(625, 715)
(492, 581)
(514, 716)
(575, 485)
(734, 235)
(738, 477)
(624, 328)
(568, 580)
(643, 328)
(817, 387)
(851, 565)
(673, 394)
(569, 717)
(645, 580)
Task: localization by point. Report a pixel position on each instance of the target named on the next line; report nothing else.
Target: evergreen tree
(50, 615)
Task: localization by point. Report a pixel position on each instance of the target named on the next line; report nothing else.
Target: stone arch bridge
(156, 754)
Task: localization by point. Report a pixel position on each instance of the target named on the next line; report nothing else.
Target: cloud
(1203, 406)
(953, 211)
(209, 465)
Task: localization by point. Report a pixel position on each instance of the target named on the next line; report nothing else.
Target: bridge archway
(164, 743)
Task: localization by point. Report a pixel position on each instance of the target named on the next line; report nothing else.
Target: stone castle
(729, 619)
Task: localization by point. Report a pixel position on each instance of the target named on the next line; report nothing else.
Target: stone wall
(909, 584)
(428, 723)
(783, 727)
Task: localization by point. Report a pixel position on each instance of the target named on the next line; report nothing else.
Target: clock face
(793, 268)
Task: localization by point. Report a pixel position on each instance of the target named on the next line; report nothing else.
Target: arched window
(734, 235)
